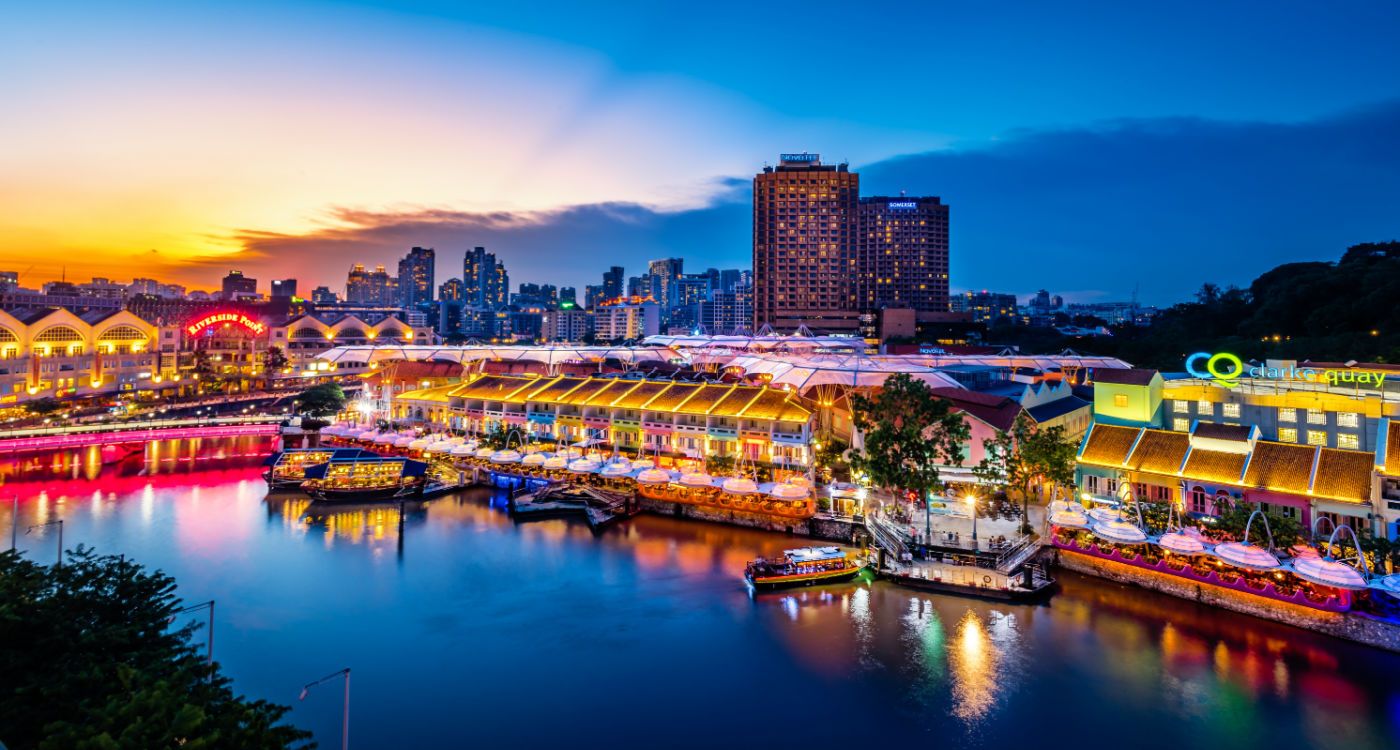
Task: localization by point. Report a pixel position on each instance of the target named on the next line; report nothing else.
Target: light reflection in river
(453, 615)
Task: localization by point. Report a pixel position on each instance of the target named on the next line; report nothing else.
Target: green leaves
(324, 400)
(88, 661)
(909, 433)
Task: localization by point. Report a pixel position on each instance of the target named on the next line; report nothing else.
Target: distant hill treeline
(1321, 311)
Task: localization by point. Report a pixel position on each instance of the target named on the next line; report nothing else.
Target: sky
(1097, 151)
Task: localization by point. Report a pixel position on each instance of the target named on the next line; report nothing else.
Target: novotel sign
(214, 319)
(801, 158)
(896, 205)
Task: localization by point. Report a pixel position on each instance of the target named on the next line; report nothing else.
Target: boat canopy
(411, 468)
(814, 554)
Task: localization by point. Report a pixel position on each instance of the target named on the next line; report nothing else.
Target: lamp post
(59, 522)
(972, 508)
(209, 647)
(345, 719)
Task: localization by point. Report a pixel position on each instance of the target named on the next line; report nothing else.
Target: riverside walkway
(78, 436)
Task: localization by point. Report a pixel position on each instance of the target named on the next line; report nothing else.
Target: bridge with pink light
(82, 436)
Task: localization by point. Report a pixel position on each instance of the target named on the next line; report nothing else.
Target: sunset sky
(1086, 151)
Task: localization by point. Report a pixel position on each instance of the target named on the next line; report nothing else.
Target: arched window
(1199, 501)
(350, 333)
(58, 341)
(57, 335)
(392, 332)
(307, 332)
(1222, 502)
(7, 336)
(123, 339)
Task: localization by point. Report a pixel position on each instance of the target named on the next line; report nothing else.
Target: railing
(154, 424)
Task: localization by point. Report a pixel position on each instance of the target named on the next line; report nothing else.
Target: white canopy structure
(654, 476)
(1244, 555)
(803, 373)
(551, 356)
(1181, 543)
(1326, 572)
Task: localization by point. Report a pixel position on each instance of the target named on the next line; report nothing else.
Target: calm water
(466, 629)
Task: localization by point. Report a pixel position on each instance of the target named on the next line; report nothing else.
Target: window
(1288, 415)
(1348, 419)
(1091, 484)
(1161, 493)
(1180, 407)
(1120, 399)
(1317, 416)
(1317, 437)
(1287, 435)
(1350, 442)
(1230, 410)
(1205, 407)
(1181, 425)
(1199, 502)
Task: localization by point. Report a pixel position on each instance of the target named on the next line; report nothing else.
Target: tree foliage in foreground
(89, 661)
(909, 432)
(324, 400)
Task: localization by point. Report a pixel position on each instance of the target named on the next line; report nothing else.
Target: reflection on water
(457, 620)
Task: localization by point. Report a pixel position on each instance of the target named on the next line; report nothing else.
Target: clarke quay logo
(1227, 369)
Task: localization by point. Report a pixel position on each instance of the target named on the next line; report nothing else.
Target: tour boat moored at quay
(807, 566)
(366, 478)
(286, 469)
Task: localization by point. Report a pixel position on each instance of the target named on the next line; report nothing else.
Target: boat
(806, 566)
(1029, 584)
(366, 478)
(287, 469)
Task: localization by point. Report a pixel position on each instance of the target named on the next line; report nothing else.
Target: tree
(324, 400)
(909, 433)
(275, 359)
(44, 406)
(88, 660)
(1286, 531)
(719, 464)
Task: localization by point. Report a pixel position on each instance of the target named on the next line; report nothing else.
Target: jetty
(1006, 573)
(598, 507)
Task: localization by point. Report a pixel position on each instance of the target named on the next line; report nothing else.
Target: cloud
(1162, 203)
(1091, 212)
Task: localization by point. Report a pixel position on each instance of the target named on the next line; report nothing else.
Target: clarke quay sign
(1226, 369)
(234, 318)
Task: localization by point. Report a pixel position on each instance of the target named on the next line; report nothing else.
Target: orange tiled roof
(735, 403)
(673, 396)
(1280, 466)
(776, 404)
(585, 391)
(1392, 450)
(610, 392)
(1214, 466)
(1108, 445)
(1160, 452)
(494, 387)
(639, 396)
(705, 399)
(1344, 475)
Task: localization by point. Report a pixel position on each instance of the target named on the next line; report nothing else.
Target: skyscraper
(375, 287)
(612, 282)
(484, 279)
(284, 288)
(663, 274)
(416, 277)
(902, 254)
(804, 240)
(236, 285)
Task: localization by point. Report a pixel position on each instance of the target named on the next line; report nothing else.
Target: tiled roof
(1392, 450)
(1279, 466)
(735, 402)
(1344, 475)
(1160, 452)
(673, 396)
(1057, 408)
(1120, 376)
(639, 396)
(613, 390)
(440, 394)
(998, 411)
(1108, 445)
(775, 404)
(494, 387)
(554, 389)
(1215, 431)
(704, 400)
(585, 391)
(1214, 466)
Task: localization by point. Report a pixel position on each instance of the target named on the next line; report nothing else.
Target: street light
(345, 720)
(209, 648)
(972, 507)
(60, 535)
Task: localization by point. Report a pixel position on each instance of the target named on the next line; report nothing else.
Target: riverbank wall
(827, 529)
(1353, 626)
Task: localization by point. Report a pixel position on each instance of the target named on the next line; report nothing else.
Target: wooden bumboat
(807, 566)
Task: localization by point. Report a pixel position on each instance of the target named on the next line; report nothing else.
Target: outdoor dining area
(1325, 572)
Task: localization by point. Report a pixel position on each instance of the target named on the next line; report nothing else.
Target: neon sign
(1226, 369)
(800, 158)
(225, 317)
(896, 205)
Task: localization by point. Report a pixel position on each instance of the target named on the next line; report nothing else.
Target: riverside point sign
(193, 328)
(1226, 369)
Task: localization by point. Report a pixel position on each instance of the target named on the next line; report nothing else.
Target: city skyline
(299, 163)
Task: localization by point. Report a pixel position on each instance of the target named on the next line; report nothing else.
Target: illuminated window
(1181, 407)
(1288, 415)
(1348, 419)
(1317, 437)
(1181, 425)
(1120, 399)
(1317, 416)
(1200, 502)
(1230, 409)
(1205, 407)
(1348, 441)
(1287, 435)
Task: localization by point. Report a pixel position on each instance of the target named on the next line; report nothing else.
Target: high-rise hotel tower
(902, 254)
(804, 242)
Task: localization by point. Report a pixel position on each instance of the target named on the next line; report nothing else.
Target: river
(463, 628)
